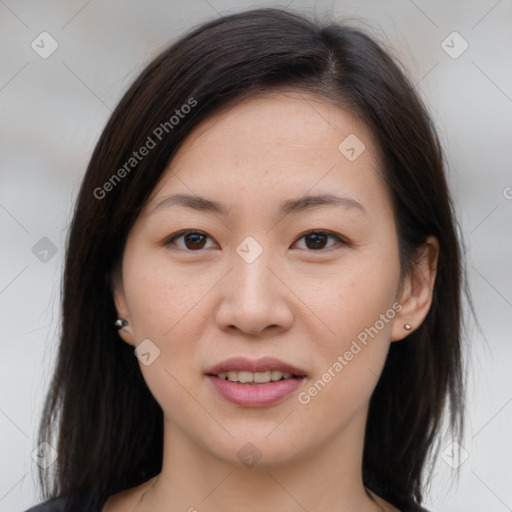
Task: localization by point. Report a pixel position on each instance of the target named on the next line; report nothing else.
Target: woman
(261, 301)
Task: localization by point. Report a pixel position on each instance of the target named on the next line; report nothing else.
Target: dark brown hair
(110, 426)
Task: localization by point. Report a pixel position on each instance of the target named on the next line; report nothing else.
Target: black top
(94, 503)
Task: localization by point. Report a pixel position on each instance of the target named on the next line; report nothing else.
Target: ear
(118, 294)
(417, 290)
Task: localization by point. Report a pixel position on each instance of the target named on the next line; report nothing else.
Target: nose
(255, 297)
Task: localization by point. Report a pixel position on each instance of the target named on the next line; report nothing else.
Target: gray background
(52, 113)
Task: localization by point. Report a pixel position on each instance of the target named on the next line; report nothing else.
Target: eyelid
(339, 238)
(324, 232)
(170, 239)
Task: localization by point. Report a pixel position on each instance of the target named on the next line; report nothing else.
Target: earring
(407, 327)
(120, 323)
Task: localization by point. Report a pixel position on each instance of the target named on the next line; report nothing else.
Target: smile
(245, 377)
(254, 383)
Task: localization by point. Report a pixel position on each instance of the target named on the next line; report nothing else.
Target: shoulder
(95, 502)
(86, 503)
(407, 504)
(414, 508)
(398, 501)
(127, 499)
(55, 505)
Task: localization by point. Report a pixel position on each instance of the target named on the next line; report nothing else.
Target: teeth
(245, 377)
(232, 376)
(254, 377)
(261, 377)
(276, 375)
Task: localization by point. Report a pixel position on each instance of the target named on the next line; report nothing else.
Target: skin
(294, 302)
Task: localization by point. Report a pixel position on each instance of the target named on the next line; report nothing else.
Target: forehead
(285, 119)
(274, 144)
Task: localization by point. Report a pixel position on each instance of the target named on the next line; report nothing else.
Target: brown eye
(192, 240)
(317, 240)
(196, 240)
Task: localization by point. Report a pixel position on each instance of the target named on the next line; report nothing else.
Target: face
(265, 273)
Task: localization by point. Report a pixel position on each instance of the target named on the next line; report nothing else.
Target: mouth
(259, 383)
(255, 378)
(260, 371)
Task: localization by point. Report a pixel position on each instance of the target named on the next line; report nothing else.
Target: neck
(196, 480)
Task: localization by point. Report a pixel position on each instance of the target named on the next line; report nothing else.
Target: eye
(196, 240)
(316, 240)
(193, 240)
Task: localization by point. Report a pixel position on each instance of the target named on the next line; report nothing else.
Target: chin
(257, 451)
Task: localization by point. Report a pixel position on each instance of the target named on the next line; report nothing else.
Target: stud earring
(120, 323)
(407, 327)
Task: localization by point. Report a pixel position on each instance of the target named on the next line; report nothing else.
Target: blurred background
(65, 65)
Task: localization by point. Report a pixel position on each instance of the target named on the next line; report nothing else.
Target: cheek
(164, 306)
(169, 307)
(357, 308)
(353, 297)
(161, 296)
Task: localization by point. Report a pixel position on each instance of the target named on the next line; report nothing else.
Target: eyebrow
(287, 207)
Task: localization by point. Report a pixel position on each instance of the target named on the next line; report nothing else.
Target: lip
(263, 364)
(255, 395)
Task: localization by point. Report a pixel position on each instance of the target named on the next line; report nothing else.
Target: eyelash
(341, 240)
